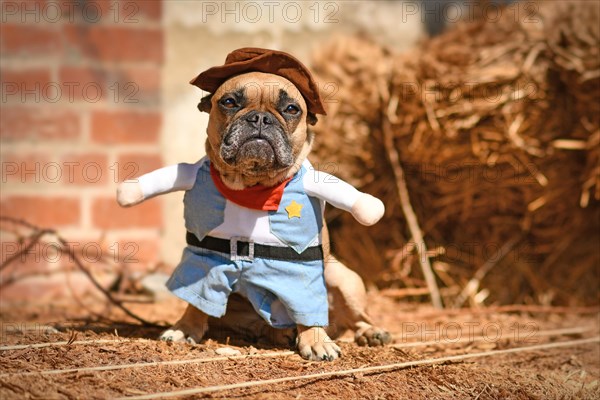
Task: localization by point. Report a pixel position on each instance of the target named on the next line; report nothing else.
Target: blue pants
(284, 293)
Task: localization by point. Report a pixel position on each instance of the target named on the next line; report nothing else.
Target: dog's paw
(172, 335)
(372, 336)
(178, 335)
(315, 345)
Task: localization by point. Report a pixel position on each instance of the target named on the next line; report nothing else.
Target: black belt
(249, 250)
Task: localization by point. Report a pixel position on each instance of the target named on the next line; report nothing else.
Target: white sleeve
(169, 179)
(333, 190)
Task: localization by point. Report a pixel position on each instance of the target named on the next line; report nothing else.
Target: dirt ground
(559, 373)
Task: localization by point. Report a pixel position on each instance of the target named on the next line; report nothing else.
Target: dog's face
(257, 131)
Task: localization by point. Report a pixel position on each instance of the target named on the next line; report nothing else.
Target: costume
(284, 293)
(262, 242)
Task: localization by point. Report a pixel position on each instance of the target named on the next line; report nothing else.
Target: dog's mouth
(256, 151)
(256, 154)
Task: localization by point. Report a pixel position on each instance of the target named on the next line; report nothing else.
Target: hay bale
(497, 126)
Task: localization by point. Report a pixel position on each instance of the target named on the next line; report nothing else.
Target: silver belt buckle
(233, 249)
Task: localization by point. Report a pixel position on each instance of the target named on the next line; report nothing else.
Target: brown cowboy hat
(251, 59)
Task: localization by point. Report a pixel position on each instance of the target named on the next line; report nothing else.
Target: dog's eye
(229, 103)
(292, 109)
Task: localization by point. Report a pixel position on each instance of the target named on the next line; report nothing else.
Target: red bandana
(258, 197)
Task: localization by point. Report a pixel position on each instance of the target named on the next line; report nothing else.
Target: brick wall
(81, 98)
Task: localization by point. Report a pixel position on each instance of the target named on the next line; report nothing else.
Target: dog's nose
(257, 119)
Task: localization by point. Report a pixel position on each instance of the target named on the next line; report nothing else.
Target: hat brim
(268, 61)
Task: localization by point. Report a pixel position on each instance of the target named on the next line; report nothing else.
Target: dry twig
(411, 218)
(38, 233)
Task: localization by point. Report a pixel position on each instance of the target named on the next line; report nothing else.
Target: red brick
(130, 11)
(24, 168)
(27, 76)
(95, 254)
(51, 122)
(26, 85)
(135, 85)
(135, 253)
(47, 211)
(29, 12)
(107, 214)
(40, 258)
(93, 251)
(85, 12)
(43, 289)
(113, 11)
(28, 264)
(40, 289)
(85, 169)
(84, 83)
(132, 165)
(151, 10)
(116, 43)
(29, 39)
(109, 127)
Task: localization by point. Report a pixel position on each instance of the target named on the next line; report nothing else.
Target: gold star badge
(294, 209)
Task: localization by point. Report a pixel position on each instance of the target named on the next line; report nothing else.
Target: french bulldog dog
(257, 261)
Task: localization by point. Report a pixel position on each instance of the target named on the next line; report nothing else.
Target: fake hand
(368, 209)
(129, 193)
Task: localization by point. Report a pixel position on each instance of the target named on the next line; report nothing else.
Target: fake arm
(365, 208)
(164, 180)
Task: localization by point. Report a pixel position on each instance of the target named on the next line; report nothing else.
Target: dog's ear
(311, 118)
(205, 104)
